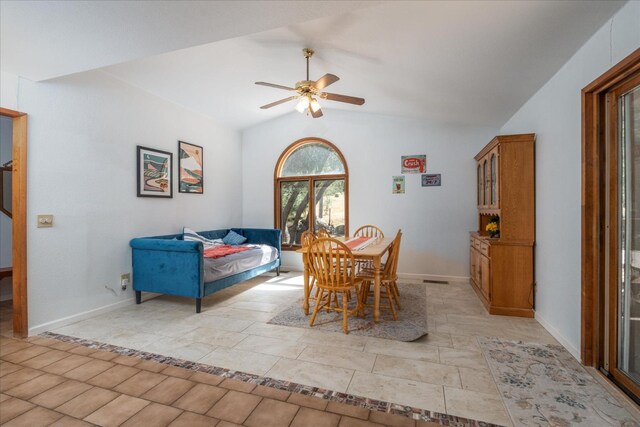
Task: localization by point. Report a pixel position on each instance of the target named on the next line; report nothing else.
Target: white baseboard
(407, 277)
(290, 268)
(418, 278)
(36, 330)
(558, 336)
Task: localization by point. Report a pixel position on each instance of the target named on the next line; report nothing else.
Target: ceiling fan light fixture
(307, 91)
(303, 105)
(315, 105)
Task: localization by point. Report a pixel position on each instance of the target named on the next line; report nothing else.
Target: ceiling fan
(308, 90)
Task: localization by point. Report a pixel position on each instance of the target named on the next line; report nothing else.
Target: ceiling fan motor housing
(305, 87)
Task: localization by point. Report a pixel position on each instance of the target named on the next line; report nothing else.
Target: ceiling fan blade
(325, 81)
(342, 98)
(316, 114)
(273, 104)
(274, 85)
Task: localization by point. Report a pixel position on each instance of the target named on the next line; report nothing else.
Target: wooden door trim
(312, 179)
(19, 221)
(593, 206)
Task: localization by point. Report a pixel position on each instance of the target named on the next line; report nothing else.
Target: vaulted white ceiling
(44, 39)
(461, 61)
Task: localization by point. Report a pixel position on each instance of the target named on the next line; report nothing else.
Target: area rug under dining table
(411, 323)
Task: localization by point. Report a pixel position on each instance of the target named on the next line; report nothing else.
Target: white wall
(435, 220)
(82, 137)
(554, 114)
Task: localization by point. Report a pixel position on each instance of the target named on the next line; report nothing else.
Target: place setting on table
(348, 288)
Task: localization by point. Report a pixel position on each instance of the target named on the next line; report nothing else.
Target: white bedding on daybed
(226, 266)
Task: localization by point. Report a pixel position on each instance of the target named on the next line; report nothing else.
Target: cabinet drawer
(476, 244)
(484, 249)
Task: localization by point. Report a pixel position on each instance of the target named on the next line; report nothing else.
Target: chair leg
(330, 296)
(312, 281)
(335, 300)
(392, 305)
(316, 307)
(365, 292)
(359, 304)
(396, 292)
(345, 325)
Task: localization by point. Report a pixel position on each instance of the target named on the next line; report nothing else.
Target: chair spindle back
(332, 264)
(368, 230)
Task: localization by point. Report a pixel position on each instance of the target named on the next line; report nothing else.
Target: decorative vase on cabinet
(502, 265)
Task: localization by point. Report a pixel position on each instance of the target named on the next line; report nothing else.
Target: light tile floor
(444, 371)
(46, 382)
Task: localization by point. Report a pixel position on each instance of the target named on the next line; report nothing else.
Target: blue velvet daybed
(170, 265)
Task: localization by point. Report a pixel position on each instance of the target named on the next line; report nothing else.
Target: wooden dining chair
(332, 264)
(368, 231)
(323, 234)
(306, 238)
(388, 279)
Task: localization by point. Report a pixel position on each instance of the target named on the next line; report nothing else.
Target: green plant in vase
(493, 227)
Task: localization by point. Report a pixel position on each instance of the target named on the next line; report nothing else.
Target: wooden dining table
(374, 253)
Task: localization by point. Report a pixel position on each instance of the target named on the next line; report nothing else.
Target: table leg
(376, 289)
(305, 304)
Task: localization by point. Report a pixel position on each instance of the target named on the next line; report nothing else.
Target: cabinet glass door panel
(494, 174)
(628, 289)
(480, 185)
(485, 183)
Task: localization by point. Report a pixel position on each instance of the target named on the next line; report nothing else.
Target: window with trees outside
(311, 181)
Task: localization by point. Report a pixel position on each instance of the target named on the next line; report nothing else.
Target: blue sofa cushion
(233, 238)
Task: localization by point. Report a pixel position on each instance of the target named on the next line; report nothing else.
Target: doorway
(611, 225)
(18, 205)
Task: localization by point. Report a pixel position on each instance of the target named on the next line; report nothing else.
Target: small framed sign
(414, 164)
(398, 185)
(431, 180)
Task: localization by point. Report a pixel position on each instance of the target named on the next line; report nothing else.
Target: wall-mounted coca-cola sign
(414, 164)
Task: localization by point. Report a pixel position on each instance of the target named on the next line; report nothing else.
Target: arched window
(311, 181)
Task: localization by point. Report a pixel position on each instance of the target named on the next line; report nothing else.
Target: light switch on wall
(45, 221)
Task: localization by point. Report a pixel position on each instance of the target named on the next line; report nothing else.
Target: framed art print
(155, 173)
(190, 168)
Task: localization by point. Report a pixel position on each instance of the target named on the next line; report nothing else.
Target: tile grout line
(353, 374)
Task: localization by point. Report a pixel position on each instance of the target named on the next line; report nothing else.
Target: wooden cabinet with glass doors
(502, 267)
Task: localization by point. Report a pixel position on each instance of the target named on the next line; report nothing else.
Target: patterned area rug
(543, 385)
(411, 323)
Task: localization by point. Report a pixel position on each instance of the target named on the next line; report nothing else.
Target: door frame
(595, 169)
(19, 221)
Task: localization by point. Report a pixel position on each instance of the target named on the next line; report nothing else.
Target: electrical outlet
(45, 221)
(125, 279)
